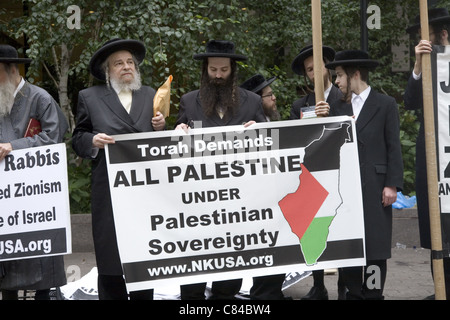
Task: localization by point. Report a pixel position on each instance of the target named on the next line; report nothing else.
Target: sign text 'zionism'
(34, 197)
(228, 202)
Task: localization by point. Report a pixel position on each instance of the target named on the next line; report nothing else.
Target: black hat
(357, 58)
(435, 16)
(220, 48)
(8, 54)
(257, 83)
(298, 66)
(135, 47)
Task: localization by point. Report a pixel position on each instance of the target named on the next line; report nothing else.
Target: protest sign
(227, 202)
(34, 201)
(441, 94)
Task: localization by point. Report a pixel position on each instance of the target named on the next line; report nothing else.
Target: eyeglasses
(268, 95)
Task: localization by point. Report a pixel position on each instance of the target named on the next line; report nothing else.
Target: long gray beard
(6, 97)
(133, 86)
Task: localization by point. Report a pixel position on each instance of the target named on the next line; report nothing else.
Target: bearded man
(21, 101)
(259, 85)
(120, 106)
(218, 102)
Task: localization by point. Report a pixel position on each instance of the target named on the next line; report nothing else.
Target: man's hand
(424, 46)
(100, 139)
(5, 149)
(322, 109)
(158, 122)
(249, 123)
(389, 196)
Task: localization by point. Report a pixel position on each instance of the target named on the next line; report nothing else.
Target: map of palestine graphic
(310, 210)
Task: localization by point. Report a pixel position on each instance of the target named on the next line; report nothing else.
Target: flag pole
(430, 143)
(317, 49)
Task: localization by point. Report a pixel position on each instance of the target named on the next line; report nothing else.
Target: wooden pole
(317, 49)
(430, 143)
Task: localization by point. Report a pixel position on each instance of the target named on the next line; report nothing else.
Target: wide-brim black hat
(135, 47)
(257, 83)
(8, 54)
(298, 63)
(435, 16)
(356, 58)
(220, 49)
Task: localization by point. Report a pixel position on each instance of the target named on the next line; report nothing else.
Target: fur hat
(357, 58)
(135, 47)
(298, 63)
(257, 83)
(220, 48)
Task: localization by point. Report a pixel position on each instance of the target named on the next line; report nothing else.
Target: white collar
(326, 93)
(19, 87)
(363, 95)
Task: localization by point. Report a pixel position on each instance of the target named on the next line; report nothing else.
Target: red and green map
(304, 209)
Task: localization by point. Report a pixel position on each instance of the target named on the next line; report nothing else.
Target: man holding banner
(303, 65)
(22, 104)
(439, 22)
(218, 102)
(123, 105)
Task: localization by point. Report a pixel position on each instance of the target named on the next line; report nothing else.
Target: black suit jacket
(100, 111)
(310, 100)
(250, 108)
(381, 165)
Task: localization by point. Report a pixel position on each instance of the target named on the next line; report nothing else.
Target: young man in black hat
(439, 27)
(218, 102)
(303, 65)
(21, 101)
(259, 85)
(122, 105)
(381, 165)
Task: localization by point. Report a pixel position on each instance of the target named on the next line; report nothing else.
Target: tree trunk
(64, 100)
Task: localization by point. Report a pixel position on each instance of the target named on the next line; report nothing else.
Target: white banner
(228, 202)
(443, 126)
(34, 202)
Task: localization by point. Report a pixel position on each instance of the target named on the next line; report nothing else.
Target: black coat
(100, 111)
(310, 100)
(381, 165)
(250, 108)
(413, 99)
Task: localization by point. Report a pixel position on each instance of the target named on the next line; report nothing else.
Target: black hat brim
(266, 83)
(237, 57)
(297, 65)
(440, 20)
(366, 63)
(15, 60)
(136, 47)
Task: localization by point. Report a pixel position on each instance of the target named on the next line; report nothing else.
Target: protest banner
(440, 226)
(441, 88)
(227, 202)
(34, 201)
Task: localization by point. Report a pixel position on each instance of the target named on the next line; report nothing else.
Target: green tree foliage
(270, 33)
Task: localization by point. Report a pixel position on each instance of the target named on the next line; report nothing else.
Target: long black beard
(219, 95)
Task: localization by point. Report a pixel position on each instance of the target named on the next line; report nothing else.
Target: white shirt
(358, 101)
(326, 93)
(125, 97)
